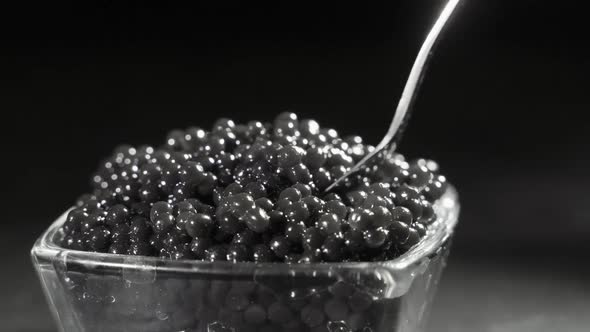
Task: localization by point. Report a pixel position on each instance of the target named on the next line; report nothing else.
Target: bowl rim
(447, 209)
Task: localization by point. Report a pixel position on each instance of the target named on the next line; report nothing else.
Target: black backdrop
(502, 109)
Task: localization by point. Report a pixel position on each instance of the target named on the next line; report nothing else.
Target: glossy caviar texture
(254, 192)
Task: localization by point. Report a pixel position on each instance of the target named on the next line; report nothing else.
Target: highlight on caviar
(255, 192)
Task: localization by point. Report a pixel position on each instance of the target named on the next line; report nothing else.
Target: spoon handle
(409, 92)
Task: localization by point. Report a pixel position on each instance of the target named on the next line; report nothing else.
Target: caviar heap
(255, 192)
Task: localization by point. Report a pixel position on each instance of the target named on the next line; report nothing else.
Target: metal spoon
(409, 91)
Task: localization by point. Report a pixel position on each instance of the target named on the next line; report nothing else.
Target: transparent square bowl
(107, 292)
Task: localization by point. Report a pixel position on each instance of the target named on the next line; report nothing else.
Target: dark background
(502, 109)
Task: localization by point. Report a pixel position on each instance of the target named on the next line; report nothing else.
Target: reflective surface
(105, 292)
(410, 89)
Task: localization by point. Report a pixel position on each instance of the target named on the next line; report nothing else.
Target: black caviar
(255, 192)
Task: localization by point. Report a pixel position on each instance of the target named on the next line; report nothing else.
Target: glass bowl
(106, 292)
